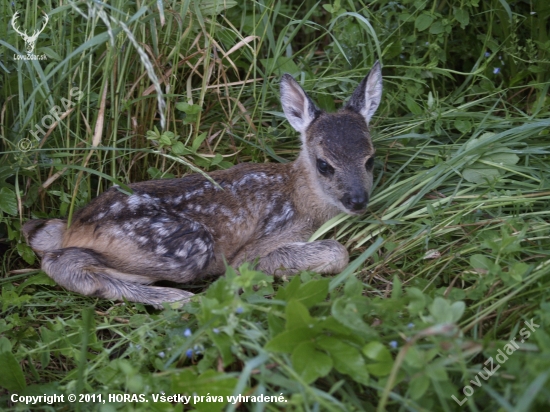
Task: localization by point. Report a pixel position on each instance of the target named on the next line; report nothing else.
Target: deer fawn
(181, 229)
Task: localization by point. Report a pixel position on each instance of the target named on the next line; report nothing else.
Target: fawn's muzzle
(355, 202)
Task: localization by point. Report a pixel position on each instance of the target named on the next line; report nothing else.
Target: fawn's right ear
(299, 109)
(366, 98)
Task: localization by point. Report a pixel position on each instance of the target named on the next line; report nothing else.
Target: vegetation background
(451, 260)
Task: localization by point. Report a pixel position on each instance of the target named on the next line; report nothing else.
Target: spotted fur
(181, 229)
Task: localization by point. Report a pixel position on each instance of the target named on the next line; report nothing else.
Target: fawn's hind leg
(88, 272)
(323, 256)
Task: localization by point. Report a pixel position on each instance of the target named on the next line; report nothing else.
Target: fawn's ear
(299, 109)
(366, 98)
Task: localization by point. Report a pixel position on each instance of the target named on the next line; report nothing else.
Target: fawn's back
(181, 229)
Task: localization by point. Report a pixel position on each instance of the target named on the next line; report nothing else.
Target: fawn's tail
(89, 272)
(43, 235)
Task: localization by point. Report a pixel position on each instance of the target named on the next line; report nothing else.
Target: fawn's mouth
(357, 212)
(355, 205)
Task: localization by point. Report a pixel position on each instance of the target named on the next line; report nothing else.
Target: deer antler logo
(30, 41)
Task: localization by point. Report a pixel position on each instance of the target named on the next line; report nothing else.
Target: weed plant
(450, 262)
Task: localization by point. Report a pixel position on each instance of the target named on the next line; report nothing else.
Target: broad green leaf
(518, 270)
(439, 306)
(216, 160)
(8, 201)
(437, 27)
(437, 372)
(179, 149)
(481, 175)
(346, 359)
(312, 292)
(287, 292)
(418, 386)
(165, 140)
(478, 261)
(276, 324)
(12, 377)
(39, 279)
(26, 253)
(198, 141)
(501, 157)
(412, 105)
(5, 345)
(423, 22)
(297, 316)
(462, 16)
(353, 287)
(417, 300)
(288, 340)
(377, 351)
(457, 310)
(415, 358)
(224, 344)
(310, 363)
(347, 311)
(188, 108)
(463, 126)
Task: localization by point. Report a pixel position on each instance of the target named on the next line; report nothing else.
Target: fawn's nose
(355, 201)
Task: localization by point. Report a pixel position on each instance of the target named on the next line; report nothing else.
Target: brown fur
(181, 229)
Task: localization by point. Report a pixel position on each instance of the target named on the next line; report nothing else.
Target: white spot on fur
(116, 207)
(183, 252)
(277, 221)
(201, 260)
(99, 216)
(134, 201)
(143, 240)
(194, 193)
(211, 208)
(201, 246)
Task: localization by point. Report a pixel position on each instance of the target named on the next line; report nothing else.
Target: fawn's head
(337, 146)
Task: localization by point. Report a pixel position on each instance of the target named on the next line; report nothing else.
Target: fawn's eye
(369, 164)
(324, 168)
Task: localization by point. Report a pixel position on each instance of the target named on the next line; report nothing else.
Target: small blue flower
(161, 355)
(187, 332)
(189, 353)
(393, 344)
(216, 330)
(240, 309)
(496, 70)
(427, 43)
(487, 54)
(410, 325)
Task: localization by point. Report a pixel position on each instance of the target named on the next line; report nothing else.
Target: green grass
(449, 263)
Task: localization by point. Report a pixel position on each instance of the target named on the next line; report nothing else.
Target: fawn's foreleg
(323, 256)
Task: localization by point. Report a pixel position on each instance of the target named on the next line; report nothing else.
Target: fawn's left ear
(366, 98)
(299, 109)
